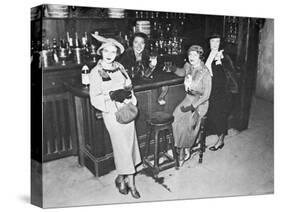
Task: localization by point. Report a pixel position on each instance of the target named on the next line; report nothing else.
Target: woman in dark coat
(136, 59)
(222, 70)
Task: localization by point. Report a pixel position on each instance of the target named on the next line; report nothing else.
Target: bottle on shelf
(127, 41)
(154, 33)
(161, 44)
(46, 54)
(85, 76)
(69, 40)
(77, 43)
(156, 15)
(147, 14)
(55, 51)
(156, 48)
(141, 16)
(175, 48)
(85, 42)
(77, 49)
(62, 52)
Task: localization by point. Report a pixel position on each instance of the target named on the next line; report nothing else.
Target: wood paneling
(59, 132)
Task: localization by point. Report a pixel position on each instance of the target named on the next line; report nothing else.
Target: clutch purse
(126, 114)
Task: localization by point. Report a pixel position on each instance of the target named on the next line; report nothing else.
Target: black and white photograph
(138, 105)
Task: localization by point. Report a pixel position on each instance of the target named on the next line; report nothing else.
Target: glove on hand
(120, 95)
(187, 108)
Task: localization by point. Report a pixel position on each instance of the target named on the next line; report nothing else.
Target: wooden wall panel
(58, 132)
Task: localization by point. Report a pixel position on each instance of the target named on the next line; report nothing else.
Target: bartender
(136, 59)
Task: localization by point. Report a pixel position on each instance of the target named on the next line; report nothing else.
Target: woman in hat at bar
(108, 76)
(136, 58)
(194, 106)
(222, 71)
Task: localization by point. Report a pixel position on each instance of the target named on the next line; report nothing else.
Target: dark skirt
(217, 116)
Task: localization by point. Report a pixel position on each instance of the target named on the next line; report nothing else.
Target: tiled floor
(243, 167)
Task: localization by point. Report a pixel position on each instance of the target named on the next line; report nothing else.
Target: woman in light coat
(107, 76)
(195, 105)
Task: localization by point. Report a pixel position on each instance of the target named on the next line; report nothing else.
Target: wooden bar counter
(94, 146)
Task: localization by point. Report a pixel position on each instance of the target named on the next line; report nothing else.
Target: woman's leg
(220, 140)
(219, 144)
(132, 187)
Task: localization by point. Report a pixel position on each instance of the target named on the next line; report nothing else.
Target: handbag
(126, 114)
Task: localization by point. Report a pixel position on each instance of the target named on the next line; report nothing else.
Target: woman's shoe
(134, 192)
(121, 185)
(213, 148)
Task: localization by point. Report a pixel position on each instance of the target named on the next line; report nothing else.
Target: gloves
(187, 108)
(120, 95)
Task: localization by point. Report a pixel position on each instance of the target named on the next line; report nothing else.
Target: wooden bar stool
(160, 125)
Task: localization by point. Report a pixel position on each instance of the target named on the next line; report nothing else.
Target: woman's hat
(107, 42)
(197, 49)
(214, 35)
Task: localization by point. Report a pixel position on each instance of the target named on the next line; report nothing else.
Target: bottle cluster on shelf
(231, 30)
(75, 49)
(166, 38)
(156, 15)
(68, 50)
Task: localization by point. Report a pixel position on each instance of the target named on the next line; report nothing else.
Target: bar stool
(200, 145)
(160, 125)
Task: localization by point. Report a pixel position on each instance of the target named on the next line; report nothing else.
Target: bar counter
(94, 146)
(159, 79)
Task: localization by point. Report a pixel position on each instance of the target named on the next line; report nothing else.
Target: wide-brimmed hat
(108, 42)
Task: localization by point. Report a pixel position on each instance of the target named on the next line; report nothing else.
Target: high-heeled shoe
(214, 148)
(121, 185)
(134, 192)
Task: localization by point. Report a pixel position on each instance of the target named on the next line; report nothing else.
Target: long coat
(224, 82)
(186, 124)
(123, 136)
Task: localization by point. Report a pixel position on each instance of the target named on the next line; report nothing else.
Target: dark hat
(214, 35)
